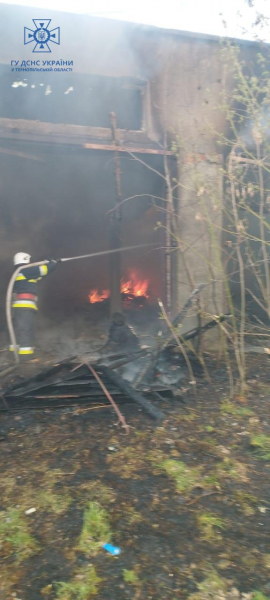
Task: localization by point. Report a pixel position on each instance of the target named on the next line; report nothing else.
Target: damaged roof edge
(150, 29)
(202, 36)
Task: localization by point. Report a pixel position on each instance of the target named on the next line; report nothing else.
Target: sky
(234, 18)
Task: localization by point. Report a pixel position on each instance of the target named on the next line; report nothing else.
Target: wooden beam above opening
(89, 138)
(132, 149)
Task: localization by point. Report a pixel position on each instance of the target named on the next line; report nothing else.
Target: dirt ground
(187, 501)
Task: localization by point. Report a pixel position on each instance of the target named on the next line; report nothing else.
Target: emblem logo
(41, 36)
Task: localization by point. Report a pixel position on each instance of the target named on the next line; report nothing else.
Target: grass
(130, 577)
(231, 409)
(95, 491)
(247, 502)
(189, 418)
(7, 486)
(83, 587)
(208, 525)
(250, 560)
(212, 587)
(261, 443)
(227, 469)
(15, 535)
(57, 503)
(208, 444)
(266, 561)
(129, 461)
(52, 476)
(242, 411)
(96, 529)
(185, 478)
(233, 469)
(43, 496)
(133, 516)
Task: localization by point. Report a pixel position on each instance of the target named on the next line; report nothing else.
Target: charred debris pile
(122, 372)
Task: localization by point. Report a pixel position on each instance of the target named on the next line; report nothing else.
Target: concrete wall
(186, 79)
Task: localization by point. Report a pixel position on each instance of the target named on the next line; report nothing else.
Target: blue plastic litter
(112, 549)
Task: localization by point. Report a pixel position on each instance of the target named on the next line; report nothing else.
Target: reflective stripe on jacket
(27, 279)
(24, 304)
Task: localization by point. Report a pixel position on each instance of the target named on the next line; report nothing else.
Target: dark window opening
(71, 98)
(60, 206)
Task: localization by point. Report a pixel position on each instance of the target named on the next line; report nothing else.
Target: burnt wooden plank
(136, 396)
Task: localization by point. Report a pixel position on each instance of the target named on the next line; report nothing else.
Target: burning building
(89, 151)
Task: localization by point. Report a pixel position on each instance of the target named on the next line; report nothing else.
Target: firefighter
(24, 302)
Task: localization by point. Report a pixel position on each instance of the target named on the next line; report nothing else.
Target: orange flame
(96, 296)
(133, 286)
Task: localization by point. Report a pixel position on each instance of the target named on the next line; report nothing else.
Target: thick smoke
(55, 199)
(60, 207)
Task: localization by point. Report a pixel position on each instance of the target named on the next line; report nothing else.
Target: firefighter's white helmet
(21, 258)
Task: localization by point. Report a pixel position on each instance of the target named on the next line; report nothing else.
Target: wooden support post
(168, 239)
(115, 230)
(168, 264)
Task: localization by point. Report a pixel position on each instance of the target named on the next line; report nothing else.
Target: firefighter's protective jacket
(27, 279)
(25, 304)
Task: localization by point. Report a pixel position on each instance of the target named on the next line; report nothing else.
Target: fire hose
(11, 331)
